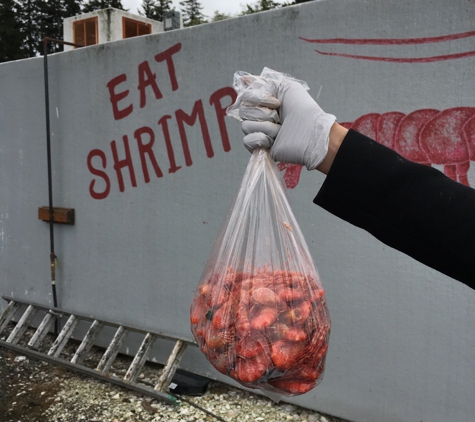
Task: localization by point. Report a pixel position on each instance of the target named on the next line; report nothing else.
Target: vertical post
(50, 181)
(52, 255)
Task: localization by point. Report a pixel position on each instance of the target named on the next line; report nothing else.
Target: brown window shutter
(144, 29)
(79, 33)
(85, 31)
(132, 28)
(91, 31)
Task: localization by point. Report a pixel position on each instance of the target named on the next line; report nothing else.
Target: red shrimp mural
(396, 42)
(426, 136)
(291, 174)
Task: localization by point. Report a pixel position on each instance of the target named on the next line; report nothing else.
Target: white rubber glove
(304, 135)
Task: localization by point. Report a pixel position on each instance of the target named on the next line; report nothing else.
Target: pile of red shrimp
(266, 330)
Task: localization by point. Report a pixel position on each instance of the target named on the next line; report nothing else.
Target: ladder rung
(108, 358)
(22, 325)
(110, 354)
(63, 336)
(87, 342)
(140, 358)
(168, 398)
(171, 365)
(8, 314)
(43, 329)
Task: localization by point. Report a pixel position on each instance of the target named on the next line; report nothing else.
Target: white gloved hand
(303, 135)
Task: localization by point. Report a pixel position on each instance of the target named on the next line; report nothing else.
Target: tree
(30, 21)
(191, 11)
(148, 8)
(218, 16)
(51, 16)
(28, 17)
(11, 37)
(71, 7)
(50, 23)
(155, 9)
(260, 6)
(92, 5)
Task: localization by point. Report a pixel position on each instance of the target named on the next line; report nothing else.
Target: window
(85, 31)
(132, 28)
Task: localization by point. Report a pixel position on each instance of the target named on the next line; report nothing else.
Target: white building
(107, 25)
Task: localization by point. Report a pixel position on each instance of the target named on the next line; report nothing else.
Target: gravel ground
(35, 391)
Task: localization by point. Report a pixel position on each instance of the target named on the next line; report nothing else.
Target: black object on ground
(188, 384)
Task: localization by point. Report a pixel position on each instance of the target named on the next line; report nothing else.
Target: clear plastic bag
(257, 89)
(259, 313)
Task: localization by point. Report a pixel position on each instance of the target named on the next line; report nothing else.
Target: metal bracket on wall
(52, 355)
(61, 215)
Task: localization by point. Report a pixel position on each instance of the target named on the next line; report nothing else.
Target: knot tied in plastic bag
(259, 313)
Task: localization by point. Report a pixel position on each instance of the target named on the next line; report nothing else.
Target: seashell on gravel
(36, 391)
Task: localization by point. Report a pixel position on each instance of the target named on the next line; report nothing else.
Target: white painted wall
(402, 346)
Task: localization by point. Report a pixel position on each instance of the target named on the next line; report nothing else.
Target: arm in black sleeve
(413, 208)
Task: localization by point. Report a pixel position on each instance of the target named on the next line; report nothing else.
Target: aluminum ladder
(75, 364)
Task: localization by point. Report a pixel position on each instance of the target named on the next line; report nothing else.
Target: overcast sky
(232, 7)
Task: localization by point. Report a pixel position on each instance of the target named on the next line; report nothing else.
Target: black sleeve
(413, 208)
